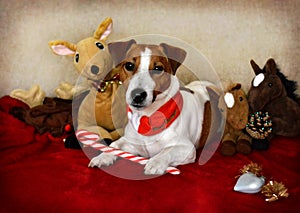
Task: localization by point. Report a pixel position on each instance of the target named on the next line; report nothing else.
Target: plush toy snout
(97, 68)
(94, 69)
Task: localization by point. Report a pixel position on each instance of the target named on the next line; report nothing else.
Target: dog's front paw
(103, 159)
(155, 167)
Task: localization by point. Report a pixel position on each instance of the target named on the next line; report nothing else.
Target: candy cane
(92, 140)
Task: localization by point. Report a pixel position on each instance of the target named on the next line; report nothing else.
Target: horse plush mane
(272, 92)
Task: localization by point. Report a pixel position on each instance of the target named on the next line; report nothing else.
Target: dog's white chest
(134, 119)
(186, 126)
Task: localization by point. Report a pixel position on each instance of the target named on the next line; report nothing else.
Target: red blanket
(37, 174)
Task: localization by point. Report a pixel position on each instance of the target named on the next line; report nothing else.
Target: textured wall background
(228, 33)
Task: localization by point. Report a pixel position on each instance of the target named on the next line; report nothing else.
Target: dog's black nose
(94, 69)
(138, 96)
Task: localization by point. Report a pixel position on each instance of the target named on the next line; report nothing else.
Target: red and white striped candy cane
(91, 139)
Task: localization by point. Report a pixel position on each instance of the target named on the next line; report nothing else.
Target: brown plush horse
(272, 92)
(234, 101)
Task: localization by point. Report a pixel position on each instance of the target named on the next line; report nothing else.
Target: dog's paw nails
(154, 167)
(102, 160)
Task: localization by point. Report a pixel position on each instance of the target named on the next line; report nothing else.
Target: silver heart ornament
(249, 183)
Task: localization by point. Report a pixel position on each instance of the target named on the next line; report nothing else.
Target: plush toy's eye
(270, 84)
(157, 70)
(77, 57)
(241, 98)
(129, 66)
(99, 45)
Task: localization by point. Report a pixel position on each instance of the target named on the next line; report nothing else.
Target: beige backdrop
(228, 33)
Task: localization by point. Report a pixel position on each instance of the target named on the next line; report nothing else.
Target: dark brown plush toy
(273, 93)
(53, 116)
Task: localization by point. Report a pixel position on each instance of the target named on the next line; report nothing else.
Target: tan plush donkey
(94, 62)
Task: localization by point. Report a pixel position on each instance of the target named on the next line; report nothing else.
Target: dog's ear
(175, 55)
(119, 49)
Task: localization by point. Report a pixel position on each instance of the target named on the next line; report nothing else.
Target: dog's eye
(77, 57)
(241, 98)
(99, 45)
(157, 70)
(270, 84)
(129, 66)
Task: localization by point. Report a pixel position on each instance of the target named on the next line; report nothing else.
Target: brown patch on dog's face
(159, 67)
(160, 71)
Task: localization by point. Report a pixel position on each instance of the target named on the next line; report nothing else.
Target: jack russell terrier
(164, 121)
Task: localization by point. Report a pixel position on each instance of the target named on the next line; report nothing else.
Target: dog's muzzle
(138, 97)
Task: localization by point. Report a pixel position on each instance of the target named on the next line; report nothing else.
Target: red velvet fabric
(37, 174)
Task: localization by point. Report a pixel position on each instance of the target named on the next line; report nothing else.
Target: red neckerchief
(162, 118)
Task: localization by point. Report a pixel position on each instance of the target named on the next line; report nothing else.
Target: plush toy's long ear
(255, 67)
(216, 96)
(271, 66)
(175, 55)
(104, 29)
(119, 49)
(61, 47)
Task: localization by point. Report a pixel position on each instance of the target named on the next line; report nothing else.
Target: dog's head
(149, 69)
